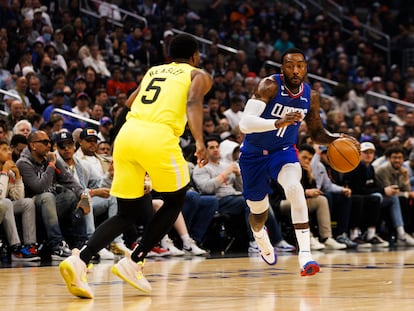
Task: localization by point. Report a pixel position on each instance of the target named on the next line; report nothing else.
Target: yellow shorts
(142, 147)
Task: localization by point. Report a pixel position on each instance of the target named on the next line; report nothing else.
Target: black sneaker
(61, 251)
(377, 242)
(23, 253)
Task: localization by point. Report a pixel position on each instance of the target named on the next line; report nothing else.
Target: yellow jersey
(162, 97)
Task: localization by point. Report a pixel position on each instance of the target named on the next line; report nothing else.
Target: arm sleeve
(251, 122)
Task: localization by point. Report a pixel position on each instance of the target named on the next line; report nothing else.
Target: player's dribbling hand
(201, 154)
(288, 119)
(354, 140)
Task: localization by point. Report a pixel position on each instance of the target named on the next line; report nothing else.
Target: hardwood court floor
(348, 281)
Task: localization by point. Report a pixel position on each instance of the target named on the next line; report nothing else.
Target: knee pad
(258, 207)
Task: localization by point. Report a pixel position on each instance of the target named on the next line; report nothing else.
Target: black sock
(161, 223)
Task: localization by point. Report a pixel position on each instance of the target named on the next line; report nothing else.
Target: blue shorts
(257, 170)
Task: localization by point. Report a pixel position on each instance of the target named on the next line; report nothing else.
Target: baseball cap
(61, 137)
(376, 79)
(367, 146)
(82, 95)
(88, 132)
(58, 93)
(105, 121)
(168, 33)
(81, 77)
(382, 108)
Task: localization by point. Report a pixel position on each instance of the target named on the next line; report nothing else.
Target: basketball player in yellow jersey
(168, 96)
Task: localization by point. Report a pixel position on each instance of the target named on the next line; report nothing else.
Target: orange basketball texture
(343, 155)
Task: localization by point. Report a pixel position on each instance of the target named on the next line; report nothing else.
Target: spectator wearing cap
(167, 37)
(58, 196)
(102, 202)
(58, 43)
(79, 86)
(58, 100)
(385, 122)
(36, 98)
(377, 87)
(82, 105)
(366, 198)
(87, 152)
(105, 129)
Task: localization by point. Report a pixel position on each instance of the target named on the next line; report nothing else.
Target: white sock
(400, 232)
(370, 233)
(303, 238)
(354, 233)
(186, 240)
(258, 234)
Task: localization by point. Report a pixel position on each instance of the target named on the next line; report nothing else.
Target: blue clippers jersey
(281, 104)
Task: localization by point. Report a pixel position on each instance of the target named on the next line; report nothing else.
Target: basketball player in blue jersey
(271, 121)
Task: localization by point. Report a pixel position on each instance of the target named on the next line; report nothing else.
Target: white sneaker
(266, 248)
(193, 249)
(131, 272)
(406, 240)
(167, 243)
(73, 271)
(333, 244)
(315, 244)
(119, 248)
(253, 248)
(104, 254)
(284, 246)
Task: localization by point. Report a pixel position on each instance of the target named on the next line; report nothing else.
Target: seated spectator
(57, 195)
(224, 181)
(339, 197)
(394, 176)
(88, 145)
(102, 202)
(23, 127)
(58, 102)
(17, 144)
(37, 100)
(16, 113)
(367, 196)
(316, 201)
(13, 202)
(235, 112)
(82, 105)
(104, 148)
(105, 127)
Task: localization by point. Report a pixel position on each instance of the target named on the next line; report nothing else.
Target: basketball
(343, 155)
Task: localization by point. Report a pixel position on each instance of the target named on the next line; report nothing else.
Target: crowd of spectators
(54, 57)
